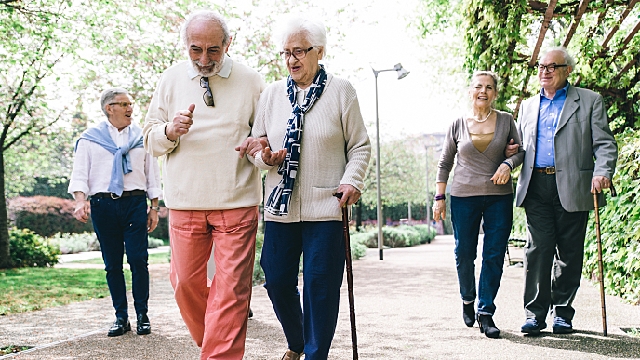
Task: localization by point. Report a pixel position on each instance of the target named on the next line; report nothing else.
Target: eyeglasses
(124, 104)
(207, 96)
(297, 53)
(551, 67)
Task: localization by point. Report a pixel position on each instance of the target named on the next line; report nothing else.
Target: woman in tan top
(481, 189)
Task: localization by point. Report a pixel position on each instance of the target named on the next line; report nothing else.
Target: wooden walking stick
(348, 260)
(600, 266)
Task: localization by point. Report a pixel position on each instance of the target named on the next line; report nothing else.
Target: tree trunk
(5, 258)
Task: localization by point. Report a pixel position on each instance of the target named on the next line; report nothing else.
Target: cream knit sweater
(335, 148)
(201, 170)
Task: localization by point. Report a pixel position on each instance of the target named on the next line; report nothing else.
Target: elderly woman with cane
(481, 190)
(317, 146)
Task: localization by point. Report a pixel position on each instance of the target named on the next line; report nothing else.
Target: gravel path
(407, 307)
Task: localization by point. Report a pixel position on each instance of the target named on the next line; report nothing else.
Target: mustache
(211, 63)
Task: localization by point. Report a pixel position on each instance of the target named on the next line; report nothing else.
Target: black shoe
(144, 325)
(119, 327)
(250, 313)
(532, 326)
(562, 325)
(487, 326)
(468, 314)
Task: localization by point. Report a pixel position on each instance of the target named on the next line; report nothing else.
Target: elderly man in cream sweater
(201, 110)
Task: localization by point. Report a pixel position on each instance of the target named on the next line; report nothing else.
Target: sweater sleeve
(155, 139)
(357, 144)
(449, 151)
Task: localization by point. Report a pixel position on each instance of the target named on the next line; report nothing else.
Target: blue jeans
(118, 224)
(466, 213)
(322, 244)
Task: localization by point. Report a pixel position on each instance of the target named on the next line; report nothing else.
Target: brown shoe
(290, 355)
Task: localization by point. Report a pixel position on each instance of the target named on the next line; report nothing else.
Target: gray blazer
(583, 144)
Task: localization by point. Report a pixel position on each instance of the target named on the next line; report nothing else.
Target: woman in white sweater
(318, 146)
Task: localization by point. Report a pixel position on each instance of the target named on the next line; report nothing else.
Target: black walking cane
(600, 266)
(347, 250)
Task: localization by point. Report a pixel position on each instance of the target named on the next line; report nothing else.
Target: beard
(202, 68)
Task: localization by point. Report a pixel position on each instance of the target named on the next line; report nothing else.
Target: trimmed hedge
(401, 236)
(48, 215)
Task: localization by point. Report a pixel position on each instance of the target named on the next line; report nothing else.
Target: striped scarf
(278, 202)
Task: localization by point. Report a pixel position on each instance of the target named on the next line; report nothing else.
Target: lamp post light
(402, 73)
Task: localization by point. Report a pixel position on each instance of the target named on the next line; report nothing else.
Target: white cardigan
(335, 148)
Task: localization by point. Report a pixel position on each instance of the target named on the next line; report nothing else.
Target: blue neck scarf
(278, 202)
(121, 159)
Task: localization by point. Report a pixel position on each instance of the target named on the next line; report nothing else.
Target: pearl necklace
(485, 118)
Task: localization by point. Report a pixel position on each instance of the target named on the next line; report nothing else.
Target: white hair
(565, 53)
(207, 15)
(108, 95)
(313, 30)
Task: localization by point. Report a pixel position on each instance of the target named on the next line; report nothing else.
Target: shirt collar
(224, 72)
(560, 92)
(114, 129)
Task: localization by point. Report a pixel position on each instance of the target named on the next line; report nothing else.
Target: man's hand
(502, 175)
(271, 158)
(152, 220)
(182, 121)
(81, 211)
(598, 183)
(350, 194)
(250, 146)
(511, 149)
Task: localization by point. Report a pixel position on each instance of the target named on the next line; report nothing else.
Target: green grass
(28, 289)
(12, 349)
(157, 258)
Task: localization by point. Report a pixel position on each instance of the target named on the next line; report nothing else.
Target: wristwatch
(156, 208)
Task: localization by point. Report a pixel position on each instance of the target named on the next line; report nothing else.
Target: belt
(549, 170)
(124, 194)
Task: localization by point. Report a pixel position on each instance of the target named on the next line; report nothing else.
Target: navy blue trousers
(322, 246)
(120, 224)
(466, 213)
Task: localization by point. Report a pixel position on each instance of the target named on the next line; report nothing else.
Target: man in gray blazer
(569, 154)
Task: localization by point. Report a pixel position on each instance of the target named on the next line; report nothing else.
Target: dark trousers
(554, 250)
(322, 246)
(466, 213)
(120, 224)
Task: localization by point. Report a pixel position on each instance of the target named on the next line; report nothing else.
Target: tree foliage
(506, 36)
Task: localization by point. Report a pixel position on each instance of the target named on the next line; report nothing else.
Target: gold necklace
(485, 118)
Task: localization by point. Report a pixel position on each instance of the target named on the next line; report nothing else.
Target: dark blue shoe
(532, 327)
(562, 325)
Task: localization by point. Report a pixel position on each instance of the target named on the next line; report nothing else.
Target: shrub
(45, 215)
(619, 226)
(75, 243)
(162, 230)
(154, 243)
(258, 274)
(30, 250)
(427, 233)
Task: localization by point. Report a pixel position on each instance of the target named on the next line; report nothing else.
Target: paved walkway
(407, 307)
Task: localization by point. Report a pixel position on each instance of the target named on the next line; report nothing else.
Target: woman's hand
(273, 158)
(502, 175)
(439, 210)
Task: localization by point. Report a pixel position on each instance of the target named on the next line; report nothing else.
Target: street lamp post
(402, 73)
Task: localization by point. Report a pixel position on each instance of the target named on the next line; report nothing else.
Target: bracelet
(509, 165)
(156, 208)
(439, 197)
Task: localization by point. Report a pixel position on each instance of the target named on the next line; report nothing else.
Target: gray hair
(314, 31)
(108, 96)
(565, 53)
(207, 15)
(491, 74)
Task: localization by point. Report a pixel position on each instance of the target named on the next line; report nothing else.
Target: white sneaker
(291, 355)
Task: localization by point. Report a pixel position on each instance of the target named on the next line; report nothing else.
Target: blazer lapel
(570, 107)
